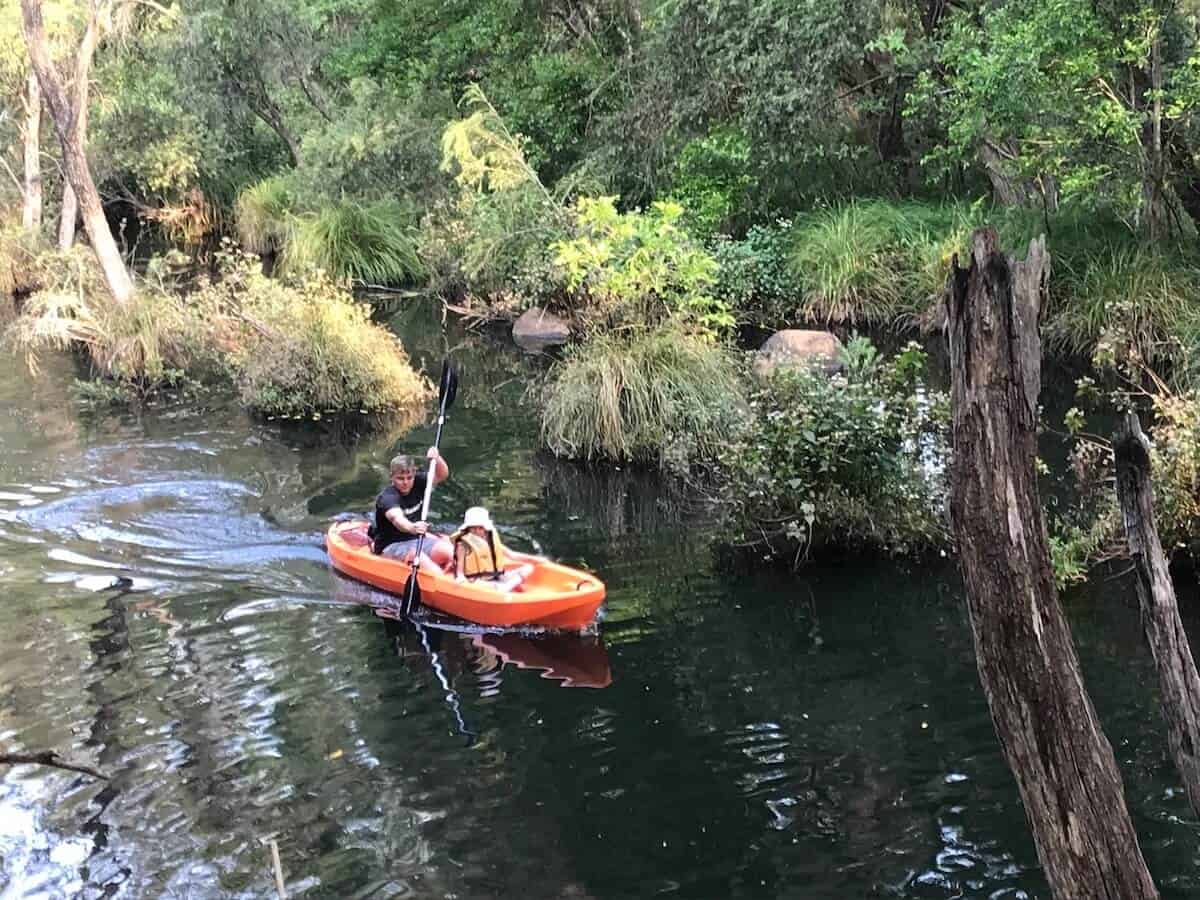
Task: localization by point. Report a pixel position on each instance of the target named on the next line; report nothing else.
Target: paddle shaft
(413, 589)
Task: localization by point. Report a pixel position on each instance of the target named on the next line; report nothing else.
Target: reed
(368, 243)
(661, 397)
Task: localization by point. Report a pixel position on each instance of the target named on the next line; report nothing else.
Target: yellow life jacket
(484, 557)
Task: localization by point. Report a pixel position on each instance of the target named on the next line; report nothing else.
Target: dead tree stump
(1048, 730)
(1177, 678)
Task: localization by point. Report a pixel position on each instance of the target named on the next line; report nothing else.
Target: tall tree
(70, 139)
(79, 106)
(31, 211)
(1048, 729)
(1076, 95)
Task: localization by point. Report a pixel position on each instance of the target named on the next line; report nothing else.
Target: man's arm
(396, 517)
(441, 471)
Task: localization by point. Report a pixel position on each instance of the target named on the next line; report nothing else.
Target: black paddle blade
(448, 386)
(412, 595)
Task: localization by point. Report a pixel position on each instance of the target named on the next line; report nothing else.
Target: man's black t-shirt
(410, 504)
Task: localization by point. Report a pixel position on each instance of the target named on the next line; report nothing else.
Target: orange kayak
(553, 596)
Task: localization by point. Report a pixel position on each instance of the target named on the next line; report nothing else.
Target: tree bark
(1154, 176)
(1048, 730)
(31, 208)
(69, 213)
(1178, 680)
(1006, 190)
(79, 176)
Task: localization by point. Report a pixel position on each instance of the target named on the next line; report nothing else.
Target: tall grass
(660, 397)
(265, 214)
(1148, 295)
(875, 262)
(368, 243)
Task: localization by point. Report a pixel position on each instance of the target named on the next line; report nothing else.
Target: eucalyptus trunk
(31, 208)
(69, 214)
(1178, 681)
(70, 138)
(1064, 766)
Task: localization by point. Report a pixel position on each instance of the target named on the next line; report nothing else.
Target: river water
(169, 618)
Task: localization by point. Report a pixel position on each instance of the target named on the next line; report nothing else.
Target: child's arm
(460, 557)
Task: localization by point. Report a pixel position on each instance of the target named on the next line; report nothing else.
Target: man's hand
(420, 527)
(432, 453)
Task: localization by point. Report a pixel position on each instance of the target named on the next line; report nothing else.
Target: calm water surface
(168, 617)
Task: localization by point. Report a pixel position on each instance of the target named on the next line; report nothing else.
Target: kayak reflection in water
(573, 660)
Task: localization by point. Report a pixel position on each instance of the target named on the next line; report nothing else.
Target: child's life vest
(485, 557)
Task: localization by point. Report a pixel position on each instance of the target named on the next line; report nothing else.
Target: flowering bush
(852, 461)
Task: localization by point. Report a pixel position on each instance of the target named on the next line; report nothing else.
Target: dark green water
(822, 737)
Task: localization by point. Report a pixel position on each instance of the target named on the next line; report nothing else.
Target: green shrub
(712, 181)
(639, 268)
(373, 243)
(498, 231)
(753, 278)
(852, 462)
(304, 349)
(661, 397)
(489, 246)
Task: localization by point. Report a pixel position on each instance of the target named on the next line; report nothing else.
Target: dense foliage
(853, 461)
(662, 176)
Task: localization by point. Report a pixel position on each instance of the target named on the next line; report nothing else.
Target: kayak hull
(553, 596)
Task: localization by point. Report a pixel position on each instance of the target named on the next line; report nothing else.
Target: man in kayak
(398, 527)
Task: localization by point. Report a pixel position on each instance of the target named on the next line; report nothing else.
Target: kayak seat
(356, 537)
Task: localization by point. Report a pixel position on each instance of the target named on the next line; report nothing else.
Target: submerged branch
(47, 758)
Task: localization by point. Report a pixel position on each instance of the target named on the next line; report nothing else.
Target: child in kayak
(479, 555)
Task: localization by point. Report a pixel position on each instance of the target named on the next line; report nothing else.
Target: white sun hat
(477, 516)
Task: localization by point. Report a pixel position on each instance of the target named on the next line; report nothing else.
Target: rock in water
(537, 328)
(794, 347)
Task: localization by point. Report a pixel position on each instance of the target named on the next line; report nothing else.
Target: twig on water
(47, 758)
(277, 869)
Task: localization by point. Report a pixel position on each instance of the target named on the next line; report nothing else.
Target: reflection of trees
(616, 502)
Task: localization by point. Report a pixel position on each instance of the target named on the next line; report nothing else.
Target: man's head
(403, 471)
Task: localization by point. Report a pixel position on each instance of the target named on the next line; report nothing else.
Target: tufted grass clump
(355, 240)
(265, 214)
(872, 262)
(1141, 296)
(136, 343)
(662, 398)
(368, 243)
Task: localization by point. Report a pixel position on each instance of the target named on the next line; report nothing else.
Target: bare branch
(47, 758)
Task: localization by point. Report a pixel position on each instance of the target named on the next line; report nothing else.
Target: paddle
(447, 389)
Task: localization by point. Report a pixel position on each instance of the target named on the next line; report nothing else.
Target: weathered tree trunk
(1006, 190)
(68, 217)
(69, 213)
(1048, 730)
(31, 209)
(1178, 680)
(1154, 175)
(74, 160)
